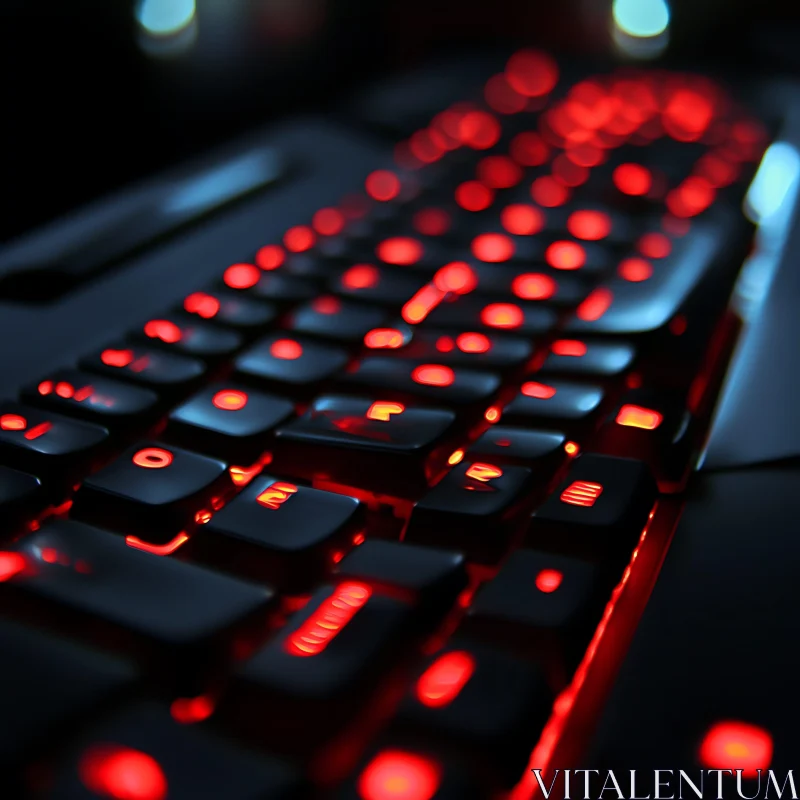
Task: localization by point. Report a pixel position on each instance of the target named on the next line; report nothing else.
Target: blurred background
(100, 93)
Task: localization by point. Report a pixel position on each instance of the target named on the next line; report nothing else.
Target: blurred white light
(165, 17)
(776, 176)
(641, 18)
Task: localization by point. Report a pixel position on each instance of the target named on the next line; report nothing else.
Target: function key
(588, 357)
(92, 397)
(472, 313)
(153, 492)
(376, 284)
(280, 532)
(378, 445)
(228, 421)
(541, 451)
(202, 339)
(229, 308)
(542, 402)
(57, 449)
(329, 317)
(20, 497)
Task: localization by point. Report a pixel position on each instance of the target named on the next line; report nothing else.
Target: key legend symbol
(581, 493)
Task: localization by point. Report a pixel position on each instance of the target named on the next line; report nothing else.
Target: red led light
(38, 430)
(45, 387)
(400, 250)
(164, 330)
(637, 417)
(431, 221)
(565, 255)
(654, 245)
(549, 192)
(502, 97)
(399, 775)
(422, 303)
(492, 414)
(270, 257)
(152, 458)
(276, 494)
(484, 472)
(568, 172)
(717, 170)
(122, 773)
(532, 73)
(595, 305)
(361, 276)
(457, 277)
(13, 422)
(328, 620)
(581, 493)
(474, 196)
(635, 269)
(188, 710)
(499, 172)
(230, 399)
(382, 185)
(529, 149)
(425, 148)
(541, 391)
(687, 115)
(327, 305)
(479, 130)
(569, 347)
(328, 221)
(11, 564)
(736, 745)
(286, 349)
(157, 549)
(116, 358)
(473, 343)
(202, 304)
(299, 239)
(493, 247)
(382, 410)
(692, 197)
(521, 219)
(584, 154)
(534, 286)
(548, 580)
(443, 681)
(433, 375)
(632, 179)
(384, 339)
(65, 390)
(502, 315)
(241, 276)
(589, 225)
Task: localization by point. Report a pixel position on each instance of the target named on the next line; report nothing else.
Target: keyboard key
(144, 753)
(332, 318)
(399, 379)
(487, 703)
(313, 674)
(284, 289)
(475, 508)
(167, 374)
(541, 451)
(48, 684)
(544, 607)
(195, 338)
(230, 308)
(57, 449)
(280, 532)
(290, 364)
(381, 445)
(20, 495)
(589, 358)
(96, 399)
(229, 421)
(472, 313)
(429, 579)
(376, 284)
(542, 402)
(153, 492)
(525, 282)
(599, 509)
(115, 595)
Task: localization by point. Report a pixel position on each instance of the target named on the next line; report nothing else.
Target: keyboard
(373, 512)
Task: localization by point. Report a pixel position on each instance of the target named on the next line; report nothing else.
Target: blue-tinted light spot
(165, 17)
(641, 18)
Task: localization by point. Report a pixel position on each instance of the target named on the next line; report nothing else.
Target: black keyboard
(373, 513)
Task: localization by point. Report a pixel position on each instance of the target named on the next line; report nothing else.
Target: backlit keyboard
(373, 514)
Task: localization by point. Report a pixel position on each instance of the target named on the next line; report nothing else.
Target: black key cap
(228, 421)
(599, 509)
(20, 495)
(530, 283)
(57, 449)
(284, 290)
(541, 451)
(329, 656)
(475, 508)
(96, 399)
(145, 753)
(543, 402)
(47, 684)
(230, 308)
(139, 602)
(381, 446)
(153, 492)
(486, 702)
(399, 379)
(277, 531)
(329, 317)
(544, 607)
(589, 358)
(291, 364)
(474, 313)
(168, 374)
(377, 284)
(191, 336)
(428, 578)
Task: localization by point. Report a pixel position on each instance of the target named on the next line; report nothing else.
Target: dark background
(86, 109)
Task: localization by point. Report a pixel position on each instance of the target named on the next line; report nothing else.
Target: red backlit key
(541, 451)
(228, 420)
(114, 595)
(153, 492)
(229, 308)
(94, 398)
(487, 703)
(20, 495)
(599, 509)
(475, 508)
(588, 357)
(141, 752)
(291, 364)
(167, 374)
(314, 673)
(469, 313)
(530, 283)
(377, 284)
(190, 335)
(277, 531)
(56, 449)
(543, 402)
(329, 317)
(544, 607)
(378, 445)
